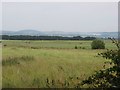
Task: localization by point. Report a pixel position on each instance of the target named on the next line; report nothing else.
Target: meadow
(49, 64)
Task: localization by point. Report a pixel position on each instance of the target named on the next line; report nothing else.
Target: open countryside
(44, 63)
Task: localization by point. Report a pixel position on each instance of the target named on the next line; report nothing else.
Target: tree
(98, 44)
(109, 77)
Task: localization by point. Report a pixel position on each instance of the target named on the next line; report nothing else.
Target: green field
(49, 63)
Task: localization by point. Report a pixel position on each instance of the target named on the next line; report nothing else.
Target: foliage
(28, 37)
(98, 44)
(76, 47)
(109, 77)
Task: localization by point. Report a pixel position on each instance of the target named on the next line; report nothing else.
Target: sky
(60, 16)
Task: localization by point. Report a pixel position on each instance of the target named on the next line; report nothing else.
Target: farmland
(44, 63)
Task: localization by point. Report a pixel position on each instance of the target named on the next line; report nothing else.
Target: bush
(107, 77)
(98, 44)
(76, 47)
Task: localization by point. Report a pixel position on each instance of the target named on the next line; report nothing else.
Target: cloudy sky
(60, 16)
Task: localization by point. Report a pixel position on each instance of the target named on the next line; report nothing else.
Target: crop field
(45, 64)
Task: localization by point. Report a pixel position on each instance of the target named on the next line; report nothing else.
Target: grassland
(49, 63)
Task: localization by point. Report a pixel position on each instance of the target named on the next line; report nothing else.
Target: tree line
(28, 37)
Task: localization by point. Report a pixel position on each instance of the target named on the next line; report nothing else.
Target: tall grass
(48, 66)
(16, 60)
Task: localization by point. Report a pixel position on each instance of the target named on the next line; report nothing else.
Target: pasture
(44, 64)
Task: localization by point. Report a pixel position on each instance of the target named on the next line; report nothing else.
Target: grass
(16, 60)
(49, 63)
(54, 44)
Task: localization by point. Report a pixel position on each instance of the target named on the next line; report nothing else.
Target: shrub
(82, 47)
(110, 77)
(4, 45)
(98, 44)
(76, 47)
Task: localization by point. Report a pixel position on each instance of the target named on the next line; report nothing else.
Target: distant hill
(61, 33)
(22, 32)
